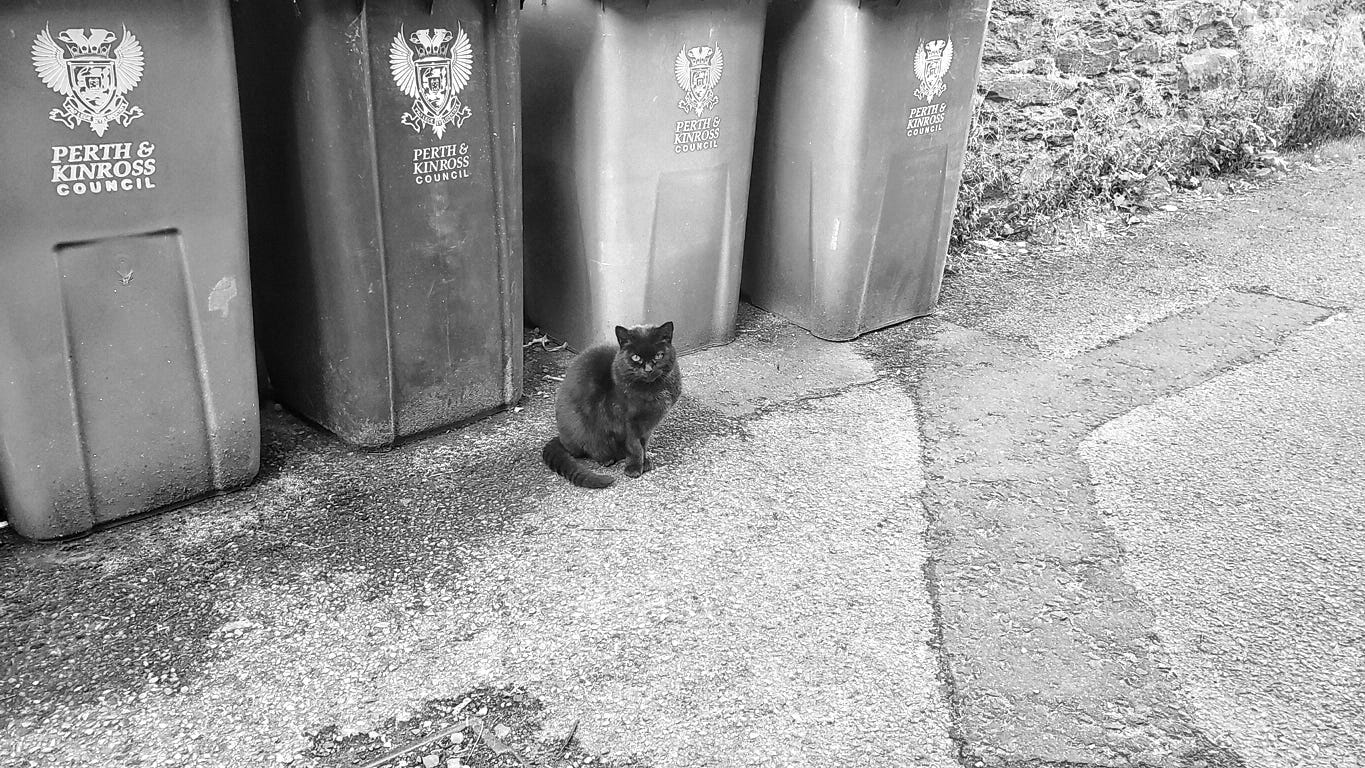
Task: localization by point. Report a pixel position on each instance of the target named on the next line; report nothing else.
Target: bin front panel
(638, 148)
(127, 374)
(453, 317)
(405, 269)
(857, 166)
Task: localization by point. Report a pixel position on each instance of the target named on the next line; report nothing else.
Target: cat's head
(646, 350)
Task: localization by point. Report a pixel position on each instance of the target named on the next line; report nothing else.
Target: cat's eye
(659, 356)
(636, 358)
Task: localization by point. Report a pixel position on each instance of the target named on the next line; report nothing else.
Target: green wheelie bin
(639, 120)
(127, 372)
(384, 183)
(863, 118)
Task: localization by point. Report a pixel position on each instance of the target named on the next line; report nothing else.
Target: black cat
(610, 402)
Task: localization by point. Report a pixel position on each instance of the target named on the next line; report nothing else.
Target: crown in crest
(431, 43)
(96, 43)
(700, 54)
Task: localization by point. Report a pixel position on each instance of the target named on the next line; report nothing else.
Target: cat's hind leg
(610, 450)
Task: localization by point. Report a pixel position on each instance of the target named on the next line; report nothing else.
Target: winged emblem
(931, 64)
(92, 73)
(432, 67)
(697, 70)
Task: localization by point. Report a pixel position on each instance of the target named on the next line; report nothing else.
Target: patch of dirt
(488, 728)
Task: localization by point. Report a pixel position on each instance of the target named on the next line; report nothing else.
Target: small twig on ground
(573, 730)
(544, 342)
(460, 707)
(416, 745)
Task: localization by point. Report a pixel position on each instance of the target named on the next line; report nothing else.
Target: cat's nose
(648, 367)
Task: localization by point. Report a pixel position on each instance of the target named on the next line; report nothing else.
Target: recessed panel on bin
(127, 373)
(384, 179)
(639, 137)
(862, 127)
(134, 371)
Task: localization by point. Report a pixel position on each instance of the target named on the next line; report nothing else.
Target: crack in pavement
(1049, 651)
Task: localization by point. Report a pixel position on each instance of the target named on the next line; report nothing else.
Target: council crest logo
(698, 71)
(432, 67)
(92, 73)
(931, 64)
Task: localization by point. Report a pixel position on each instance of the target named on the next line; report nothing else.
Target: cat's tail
(558, 458)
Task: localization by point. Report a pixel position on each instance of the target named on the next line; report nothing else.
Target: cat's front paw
(635, 470)
(649, 464)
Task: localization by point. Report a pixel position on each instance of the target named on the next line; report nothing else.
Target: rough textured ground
(758, 599)
(1049, 646)
(1239, 507)
(1102, 511)
(1247, 307)
(1299, 240)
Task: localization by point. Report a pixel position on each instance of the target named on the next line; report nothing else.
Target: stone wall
(1119, 101)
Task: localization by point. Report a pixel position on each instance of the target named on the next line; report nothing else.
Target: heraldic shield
(932, 61)
(698, 70)
(432, 67)
(92, 82)
(92, 73)
(434, 77)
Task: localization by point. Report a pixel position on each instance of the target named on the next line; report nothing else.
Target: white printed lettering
(696, 135)
(92, 169)
(445, 162)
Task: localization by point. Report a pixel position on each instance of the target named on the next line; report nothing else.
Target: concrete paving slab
(1239, 506)
(1049, 647)
(771, 362)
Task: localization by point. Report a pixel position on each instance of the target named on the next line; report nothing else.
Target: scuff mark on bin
(355, 35)
(222, 295)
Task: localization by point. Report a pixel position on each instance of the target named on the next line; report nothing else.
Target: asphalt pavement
(1103, 509)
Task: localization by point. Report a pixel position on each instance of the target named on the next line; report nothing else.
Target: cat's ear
(622, 335)
(665, 333)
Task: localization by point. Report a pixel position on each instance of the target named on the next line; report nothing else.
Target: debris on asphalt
(544, 342)
(567, 741)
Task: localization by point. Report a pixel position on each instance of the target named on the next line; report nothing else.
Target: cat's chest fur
(643, 401)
